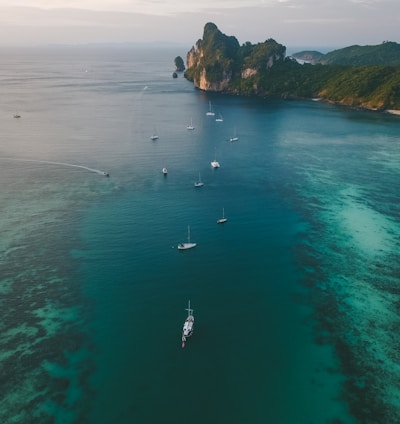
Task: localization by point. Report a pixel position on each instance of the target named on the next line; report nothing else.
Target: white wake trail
(97, 171)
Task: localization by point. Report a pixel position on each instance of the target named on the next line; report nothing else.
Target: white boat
(223, 219)
(234, 137)
(188, 326)
(210, 111)
(188, 245)
(165, 171)
(199, 183)
(190, 126)
(215, 163)
(219, 119)
(154, 136)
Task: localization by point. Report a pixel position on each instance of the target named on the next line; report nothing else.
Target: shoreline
(294, 97)
(393, 111)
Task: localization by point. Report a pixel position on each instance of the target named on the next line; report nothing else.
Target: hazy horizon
(308, 23)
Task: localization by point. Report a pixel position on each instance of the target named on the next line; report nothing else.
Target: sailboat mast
(189, 310)
(188, 233)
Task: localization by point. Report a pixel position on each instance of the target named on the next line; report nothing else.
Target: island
(179, 64)
(218, 63)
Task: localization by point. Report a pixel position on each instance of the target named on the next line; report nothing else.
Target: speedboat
(188, 325)
(165, 171)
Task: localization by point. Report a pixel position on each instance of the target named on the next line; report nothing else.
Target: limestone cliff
(217, 62)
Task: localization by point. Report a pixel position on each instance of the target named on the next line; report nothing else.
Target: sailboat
(188, 245)
(234, 137)
(223, 219)
(199, 183)
(210, 111)
(154, 136)
(190, 126)
(219, 119)
(188, 326)
(215, 163)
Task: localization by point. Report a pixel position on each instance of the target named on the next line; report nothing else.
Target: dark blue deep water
(295, 298)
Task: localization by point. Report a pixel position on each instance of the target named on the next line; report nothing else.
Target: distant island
(358, 76)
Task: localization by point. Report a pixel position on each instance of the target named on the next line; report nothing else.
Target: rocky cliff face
(201, 78)
(217, 62)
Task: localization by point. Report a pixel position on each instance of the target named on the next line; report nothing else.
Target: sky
(293, 23)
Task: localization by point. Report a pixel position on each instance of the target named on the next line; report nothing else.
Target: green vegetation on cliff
(374, 87)
(261, 56)
(387, 53)
(221, 57)
(219, 63)
(218, 55)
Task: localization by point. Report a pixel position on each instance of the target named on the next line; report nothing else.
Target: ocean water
(296, 297)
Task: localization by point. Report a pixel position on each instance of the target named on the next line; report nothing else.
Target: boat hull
(186, 246)
(188, 327)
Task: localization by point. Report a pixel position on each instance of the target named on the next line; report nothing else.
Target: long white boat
(188, 245)
(188, 325)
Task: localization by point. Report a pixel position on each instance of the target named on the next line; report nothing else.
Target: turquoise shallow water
(295, 297)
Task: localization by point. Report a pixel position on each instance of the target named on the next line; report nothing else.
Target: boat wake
(97, 171)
